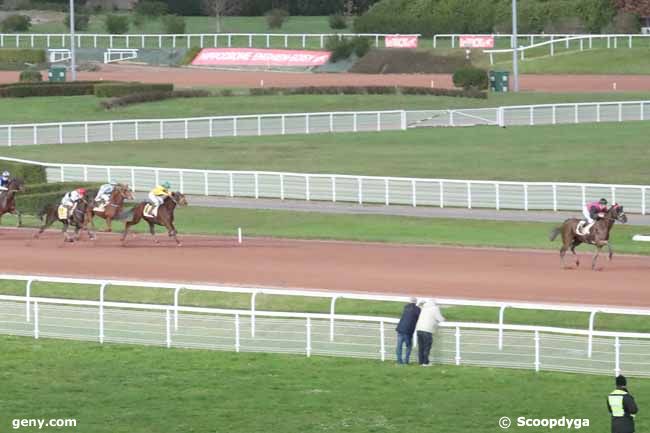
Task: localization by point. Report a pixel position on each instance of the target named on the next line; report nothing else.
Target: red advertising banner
(472, 41)
(401, 41)
(259, 57)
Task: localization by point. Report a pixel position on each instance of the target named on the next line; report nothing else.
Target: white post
(354, 122)
(308, 332)
(386, 195)
(102, 292)
(307, 188)
(61, 134)
(469, 195)
(413, 193)
(643, 202)
(28, 289)
(526, 197)
(497, 196)
(36, 330)
(281, 186)
(554, 111)
(554, 197)
(284, 124)
(34, 134)
(331, 122)
(403, 124)
(237, 332)
(256, 182)
(176, 292)
(378, 121)
(86, 174)
(620, 112)
(206, 184)
(501, 314)
(591, 333)
(9, 137)
(234, 127)
(162, 130)
(575, 114)
(442, 195)
(537, 363)
(187, 133)
(259, 125)
(333, 188)
(231, 184)
(617, 353)
(168, 329)
(598, 113)
(360, 189)
(457, 358)
(532, 116)
(382, 343)
(137, 132)
(307, 123)
(111, 131)
(253, 314)
(85, 133)
(332, 309)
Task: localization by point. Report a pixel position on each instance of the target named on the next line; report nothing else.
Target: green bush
(46, 89)
(337, 22)
(30, 76)
(151, 8)
(27, 172)
(340, 48)
(360, 46)
(173, 24)
(190, 55)
(111, 90)
(16, 23)
(471, 78)
(370, 90)
(80, 22)
(117, 24)
(138, 98)
(62, 187)
(37, 196)
(19, 56)
(275, 18)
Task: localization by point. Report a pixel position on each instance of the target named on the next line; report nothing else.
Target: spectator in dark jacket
(622, 407)
(405, 330)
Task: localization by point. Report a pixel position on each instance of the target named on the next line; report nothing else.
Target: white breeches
(155, 199)
(585, 213)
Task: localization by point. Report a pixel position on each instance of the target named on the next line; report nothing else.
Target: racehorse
(598, 235)
(8, 199)
(165, 216)
(79, 219)
(113, 207)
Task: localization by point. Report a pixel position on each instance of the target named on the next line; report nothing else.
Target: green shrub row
(36, 197)
(471, 78)
(30, 76)
(20, 56)
(138, 98)
(111, 90)
(28, 172)
(47, 89)
(343, 48)
(366, 90)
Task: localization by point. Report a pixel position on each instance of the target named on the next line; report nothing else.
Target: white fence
(611, 40)
(388, 191)
(159, 41)
(459, 343)
(318, 123)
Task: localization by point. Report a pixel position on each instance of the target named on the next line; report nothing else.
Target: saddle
(101, 206)
(583, 228)
(62, 212)
(150, 210)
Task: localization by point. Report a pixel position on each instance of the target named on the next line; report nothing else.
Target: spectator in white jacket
(429, 317)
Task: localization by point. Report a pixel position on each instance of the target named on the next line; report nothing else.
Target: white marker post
(239, 235)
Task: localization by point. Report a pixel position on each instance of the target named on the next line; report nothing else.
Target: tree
(221, 8)
(638, 7)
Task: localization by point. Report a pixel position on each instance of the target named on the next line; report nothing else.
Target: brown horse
(8, 199)
(113, 207)
(165, 216)
(79, 219)
(598, 235)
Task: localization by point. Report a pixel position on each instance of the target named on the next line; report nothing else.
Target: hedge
(36, 197)
(28, 172)
(471, 78)
(47, 89)
(366, 90)
(63, 187)
(138, 98)
(121, 89)
(30, 76)
(20, 56)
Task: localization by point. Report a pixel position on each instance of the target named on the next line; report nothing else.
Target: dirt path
(342, 266)
(186, 77)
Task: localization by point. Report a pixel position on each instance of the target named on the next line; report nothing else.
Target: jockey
(158, 194)
(591, 213)
(104, 194)
(4, 180)
(72, 198)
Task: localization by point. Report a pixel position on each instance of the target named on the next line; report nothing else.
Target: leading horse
(112, 208)
(164, 217)
(8, 199)
(598, 235)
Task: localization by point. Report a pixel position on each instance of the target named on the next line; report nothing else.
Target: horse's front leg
(20, 218)
(173, 233)
(152, 230)
(611, 252)
(109, 221)
(595, 259)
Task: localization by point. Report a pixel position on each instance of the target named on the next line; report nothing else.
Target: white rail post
(526, 197)
(501, 315)
(176, 292)
(34, 135)
(386, 194)
(469, 195)
(206, 184)
(253, 296)
(497, 196)
(360, 189)
(537, 363)
(186, 129)
(102, 291)
(36, 330)
(457, 358)
(28, 289)
(284, 124)
(168, 331)
(307, 123)
(61, 133)
(256, 183)
(234, 126)
(334, 189)
(308, 332)
(597, 113)
(382, 343)
(404, 126)
(575, 114)
(414, 194)
(379, 122)
(442, 195)
(281, 186)
(554, 113)
(554, 197)
(331, 122)
(111, 131)
(86, 174)
(259, 125)
(620, 112)
(531, 116)
(137, 132)
(354, 122)
(617, 354)
(307, 188)
(162, 130)
(237, 333)
(231, 181)
(643, 200)
(9, 136)
(85, 132)
(613, 193)
(451, 117)
(590, 341)
(332, 312)
(62, 173)
(642, 110)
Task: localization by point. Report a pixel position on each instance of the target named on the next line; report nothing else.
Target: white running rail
(608, 41)
(555, 196)
(318, 123)
(113, 55)
(202, 40)
(175, 325)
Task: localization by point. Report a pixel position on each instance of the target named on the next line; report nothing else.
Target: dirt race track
(186, 77)
(342, 266)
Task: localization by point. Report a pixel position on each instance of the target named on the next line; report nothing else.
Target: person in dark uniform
(622, 407)
(405, 330)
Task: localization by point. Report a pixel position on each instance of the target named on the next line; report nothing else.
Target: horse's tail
(556, 231)
(124, 215)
